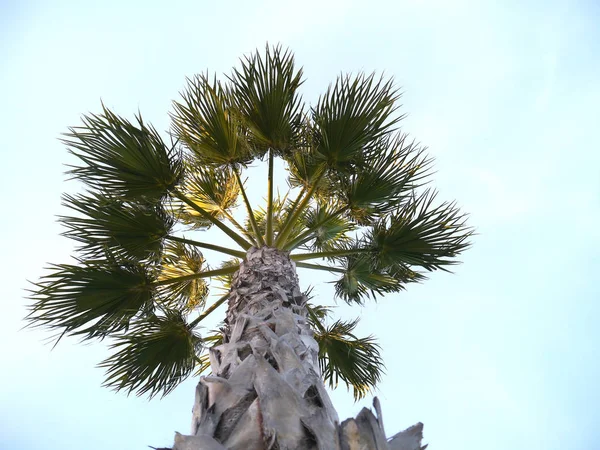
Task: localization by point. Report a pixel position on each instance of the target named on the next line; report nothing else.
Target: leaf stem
(301, 239)
(304, 265)
(291, 220)
(216, 248)
(257, 232)
(269, 232)
(328, 254)
(240, 228)
(195, 276)
(316, 320)
(220, 225)
(208, 310)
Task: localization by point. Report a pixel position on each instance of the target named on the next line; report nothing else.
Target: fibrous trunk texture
(265, 391)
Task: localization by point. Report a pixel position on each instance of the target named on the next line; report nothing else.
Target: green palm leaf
(127, 160)
(215, 190)
(92, 299)
(362, 278)
(157, 355)
(326, 229)
(309, 172)
(202, 365)
(393, 168)
(351, 116)
(281, 208)
(265, 92)
(208, 125)
(128, 230)
(317, 314)
(180, 260)
(420, 234)
(227, 279)
(342, 356)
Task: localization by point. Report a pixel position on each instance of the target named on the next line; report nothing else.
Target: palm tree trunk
(265, 391)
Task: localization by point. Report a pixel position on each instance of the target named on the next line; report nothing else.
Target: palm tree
(356, 207)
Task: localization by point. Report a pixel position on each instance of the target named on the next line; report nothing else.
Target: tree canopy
(357, 203)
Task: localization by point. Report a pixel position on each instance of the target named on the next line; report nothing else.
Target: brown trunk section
(265, 391)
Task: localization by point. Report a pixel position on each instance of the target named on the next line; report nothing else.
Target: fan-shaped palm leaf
(265, 90)
(214, 190)
(309, 173)
(282, 206)
(154, 357)
(91, 299)
(180, 260)
(326, 228)
(202, 365)
(361, 277)
(351, 116)
(393, 168)
(421, 235)
(207, 124)
(129, 230)
(317, 314)
(127, 160)
(343, 356)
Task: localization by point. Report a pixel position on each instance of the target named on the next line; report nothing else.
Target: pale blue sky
(504, 354)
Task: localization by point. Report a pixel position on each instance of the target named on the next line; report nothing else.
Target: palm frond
(420, 234)
(215, 190)
(179, 260)
(91, 299)
(207, 246)
(326, 228)
(207, 123)
(310, 173)
(351, 116)
(317, 314)
(304, 169)
(257, 235)
(265, 90)
(362, 278)
(129, 230)
(157, 355)
(392, 170)
(126, 160)
(227, 279)
(281, 208)
(202, 365)
(355, 361)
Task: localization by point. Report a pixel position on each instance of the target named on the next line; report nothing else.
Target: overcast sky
(503, 354)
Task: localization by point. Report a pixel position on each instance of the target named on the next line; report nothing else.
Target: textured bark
(409, 439)
(265, 391)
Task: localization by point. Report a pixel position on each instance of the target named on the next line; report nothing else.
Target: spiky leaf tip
(344, 357)
(351, 116)
(91, 300)
(155, 357)
(124, 159)
(207, 123)
(421, 234)
(181, 260)
(129, 230)
(265, 91)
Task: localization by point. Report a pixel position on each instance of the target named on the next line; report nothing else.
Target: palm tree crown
(356, 204)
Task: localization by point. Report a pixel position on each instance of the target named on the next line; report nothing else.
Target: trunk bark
(265, 391)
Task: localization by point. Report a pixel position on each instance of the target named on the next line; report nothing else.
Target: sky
(502, 354)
